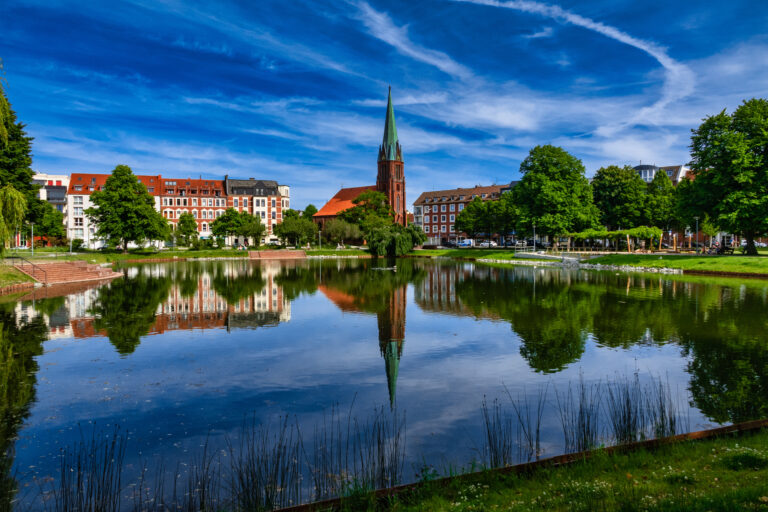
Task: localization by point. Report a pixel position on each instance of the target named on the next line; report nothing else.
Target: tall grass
(580, 416)
(529, 416)
(498, 436)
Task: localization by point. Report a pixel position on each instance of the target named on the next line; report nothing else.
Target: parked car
(450, 244)
(487, 244)
(465, 243)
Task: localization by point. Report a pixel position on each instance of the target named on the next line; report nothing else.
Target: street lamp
(32, 240)
(534, 236)
(696, 218)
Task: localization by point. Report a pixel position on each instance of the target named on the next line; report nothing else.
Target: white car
(488, 244)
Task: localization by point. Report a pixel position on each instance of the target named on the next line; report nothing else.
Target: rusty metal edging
(558, 460)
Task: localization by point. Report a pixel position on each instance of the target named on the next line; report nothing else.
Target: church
(390, 179)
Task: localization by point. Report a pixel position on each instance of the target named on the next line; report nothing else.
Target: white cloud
(679, 79)
(380, 25)
(545, 32)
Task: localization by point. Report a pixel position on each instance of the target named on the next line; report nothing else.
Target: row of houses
(204, 199)
(435, 212)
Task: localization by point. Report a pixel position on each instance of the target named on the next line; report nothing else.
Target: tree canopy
(13, 207)
(730, 165)
(297, 229)
(124, 211)
(620, 196)
(186, 229)
(371, 211)
(660, 202)
(554, 193)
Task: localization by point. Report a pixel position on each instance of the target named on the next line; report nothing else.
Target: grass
(10, 276)
(729, 473)
(740, 264)
(463, 254)
(137, 254)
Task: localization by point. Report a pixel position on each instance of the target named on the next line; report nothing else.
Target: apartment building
(205, 199)
(436, 211)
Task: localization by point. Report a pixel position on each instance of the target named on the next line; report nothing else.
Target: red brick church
(390, 179)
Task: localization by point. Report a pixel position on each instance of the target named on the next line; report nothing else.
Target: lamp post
(696, 218)
(32, 240)
(534, 236)
(319, 239)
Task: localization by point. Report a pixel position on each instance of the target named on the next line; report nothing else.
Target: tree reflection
(234, 285)
(126, 308)
(21, 340)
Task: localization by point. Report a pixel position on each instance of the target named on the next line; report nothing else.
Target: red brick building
(390, 178)
(435, 212)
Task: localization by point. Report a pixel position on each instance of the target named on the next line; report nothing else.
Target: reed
(580, 416)
(497, 450)
(529, 417)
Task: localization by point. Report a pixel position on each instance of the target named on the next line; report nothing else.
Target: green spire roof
(389, 144)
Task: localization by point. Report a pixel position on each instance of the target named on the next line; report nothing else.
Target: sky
(296, 91)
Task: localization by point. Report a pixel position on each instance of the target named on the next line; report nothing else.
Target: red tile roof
(342, 201)
(91, 182)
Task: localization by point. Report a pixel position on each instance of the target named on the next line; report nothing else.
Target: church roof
(342, 201)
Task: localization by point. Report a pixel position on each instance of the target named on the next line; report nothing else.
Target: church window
(397, 204)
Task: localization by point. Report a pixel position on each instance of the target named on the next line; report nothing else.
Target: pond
(178, 357)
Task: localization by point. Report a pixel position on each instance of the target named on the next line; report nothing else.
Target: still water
(179, 354)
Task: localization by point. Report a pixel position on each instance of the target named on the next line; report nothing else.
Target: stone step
(68, 272)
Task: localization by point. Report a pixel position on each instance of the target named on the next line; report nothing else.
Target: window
(77, 211)
(151, 190)
(170, 183)
(426, 229)
(442, 207)
(194, 213)
(452, 230)
(194, 201)
(205, 225)
(235, 203)
(77, 200)
(442, 229)
(245, 202)
(262, 215)
(78, 187)
(263, 202)
(453, 207)
(184, 202)
(273, 212)
(484, 195)
(442, 218)
(79, 221)
(273, 203)
(78, 233)
(453, 217)
(426, 209)
(461, 207)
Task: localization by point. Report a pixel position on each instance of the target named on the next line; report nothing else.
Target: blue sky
(296, 91)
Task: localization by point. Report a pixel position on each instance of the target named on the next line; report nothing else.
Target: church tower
(391, 178)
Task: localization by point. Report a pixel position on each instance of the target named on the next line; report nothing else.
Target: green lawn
(729, 473)
(114, 256)
(9, 276)
(495, 254)
(742, 264)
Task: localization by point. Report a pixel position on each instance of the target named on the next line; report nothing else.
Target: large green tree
(554, 193)
(296, 229)
(371, 211)
(470, 220)
(251, 228)
(186, 229)
(337, 230)
(227, 224)
(730, 165)
(620, 195)
(124, 211)
(309, 211)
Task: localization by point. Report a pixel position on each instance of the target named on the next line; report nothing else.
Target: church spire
(390, 146)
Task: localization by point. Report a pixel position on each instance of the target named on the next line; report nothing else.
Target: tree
(13, 207)
(470, 219)
(297, 229)
(15, 151)
(660, 202)
(620, 196)
(395, 240)
(508, 215)
(730, 166)
(309, 211)
(554, 193)
(228, 224)
(251, 228)
(124, 211)
(371, 211)
(49, 222)
(337, 230)
(186, 229)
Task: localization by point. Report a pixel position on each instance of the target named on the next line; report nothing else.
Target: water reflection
(461, 318)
